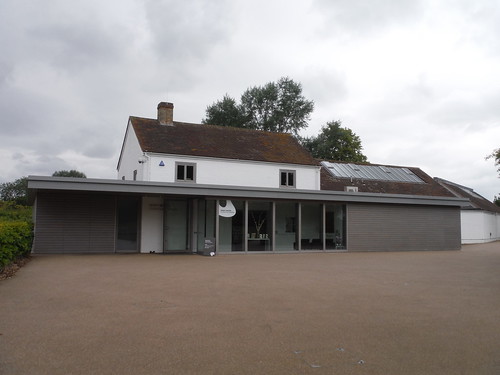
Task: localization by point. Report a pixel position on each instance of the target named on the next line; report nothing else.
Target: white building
(184, 187)
(480, 218)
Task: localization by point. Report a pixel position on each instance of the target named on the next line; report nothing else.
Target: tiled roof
(477, 202)
(427, 186)
(220, 142)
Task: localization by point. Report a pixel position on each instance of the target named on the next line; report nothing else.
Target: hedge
(16, 238)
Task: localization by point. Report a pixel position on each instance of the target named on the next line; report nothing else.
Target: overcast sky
(417, 81)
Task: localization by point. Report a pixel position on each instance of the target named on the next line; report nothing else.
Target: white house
(164, 150)
(480, 218)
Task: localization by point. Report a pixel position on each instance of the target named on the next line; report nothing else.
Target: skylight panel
(371, 172)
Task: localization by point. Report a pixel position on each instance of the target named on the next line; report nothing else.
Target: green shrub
(16, 238)
(9, 211)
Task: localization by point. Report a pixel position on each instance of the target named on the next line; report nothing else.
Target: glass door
(127, 228)
(176, 226)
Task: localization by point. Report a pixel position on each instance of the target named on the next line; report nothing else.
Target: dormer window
(185, 172)
(287, 178)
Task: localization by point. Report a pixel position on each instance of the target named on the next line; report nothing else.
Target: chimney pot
(166, 113)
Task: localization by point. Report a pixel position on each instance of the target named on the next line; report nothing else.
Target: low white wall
(479, 226)
(152, 225)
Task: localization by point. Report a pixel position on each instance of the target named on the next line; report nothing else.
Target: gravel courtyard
(337, 313)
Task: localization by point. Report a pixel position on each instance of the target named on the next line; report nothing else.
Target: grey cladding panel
(74, 223)
(378, 227)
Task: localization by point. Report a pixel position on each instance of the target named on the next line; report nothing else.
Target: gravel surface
(335, 313)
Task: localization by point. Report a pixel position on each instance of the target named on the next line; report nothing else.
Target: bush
(10, 211)
(16, 238)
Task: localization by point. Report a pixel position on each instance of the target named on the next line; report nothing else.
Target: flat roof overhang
(37, 183)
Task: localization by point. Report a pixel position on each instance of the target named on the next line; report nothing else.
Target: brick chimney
(166, 113)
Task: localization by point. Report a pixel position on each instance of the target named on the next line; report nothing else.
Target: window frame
(185, 167)
(287, 173)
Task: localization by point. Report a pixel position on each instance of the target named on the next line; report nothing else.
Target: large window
(127, 227)
(311, 226)
(260, 225)
(231, 225)
(335, 226)
(287, 178)
(185, 172)
(286, 226)
(282, 226)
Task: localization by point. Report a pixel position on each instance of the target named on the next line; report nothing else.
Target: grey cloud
(324, 87)
(472, 112)
(480, 23)
(95, 142)
(75, 47)
(187, 30)
(56, 33)
(409, 101)
(5, 73)
(359, 17)
(39, 164)
(24, 114)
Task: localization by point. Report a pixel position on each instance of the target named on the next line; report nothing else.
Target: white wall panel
(233, 172)
(152, 225)
(479, 226)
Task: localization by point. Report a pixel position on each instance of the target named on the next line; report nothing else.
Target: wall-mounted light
(142, 160)
(162, 164)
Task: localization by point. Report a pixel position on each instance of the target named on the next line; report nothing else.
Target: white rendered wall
(131, 154)
(232, 172)
(479, 226)
(152, 225)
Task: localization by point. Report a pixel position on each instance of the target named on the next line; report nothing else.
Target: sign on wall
(226, 208)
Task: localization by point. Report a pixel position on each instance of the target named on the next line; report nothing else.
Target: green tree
(276, 106)
(16, 191)
(71, 173)
(225, 112)
(335, 143)
(495, 155)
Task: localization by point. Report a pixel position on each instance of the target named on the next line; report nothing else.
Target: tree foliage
(16, 191)
(10, 211)
(225, 112)
(16, 238)
(276, 106)
(335, 143)
(71, 173)
(495, 155)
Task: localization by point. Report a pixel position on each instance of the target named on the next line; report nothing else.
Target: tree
(71, 173)
(16, 191)
(225, 112)
(335, 143)
(495, 155)
(276, 106)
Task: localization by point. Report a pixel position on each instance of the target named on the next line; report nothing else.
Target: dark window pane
(180, 172)
(283, 178)
(189, 172)
(290, 179)
(127, 225)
